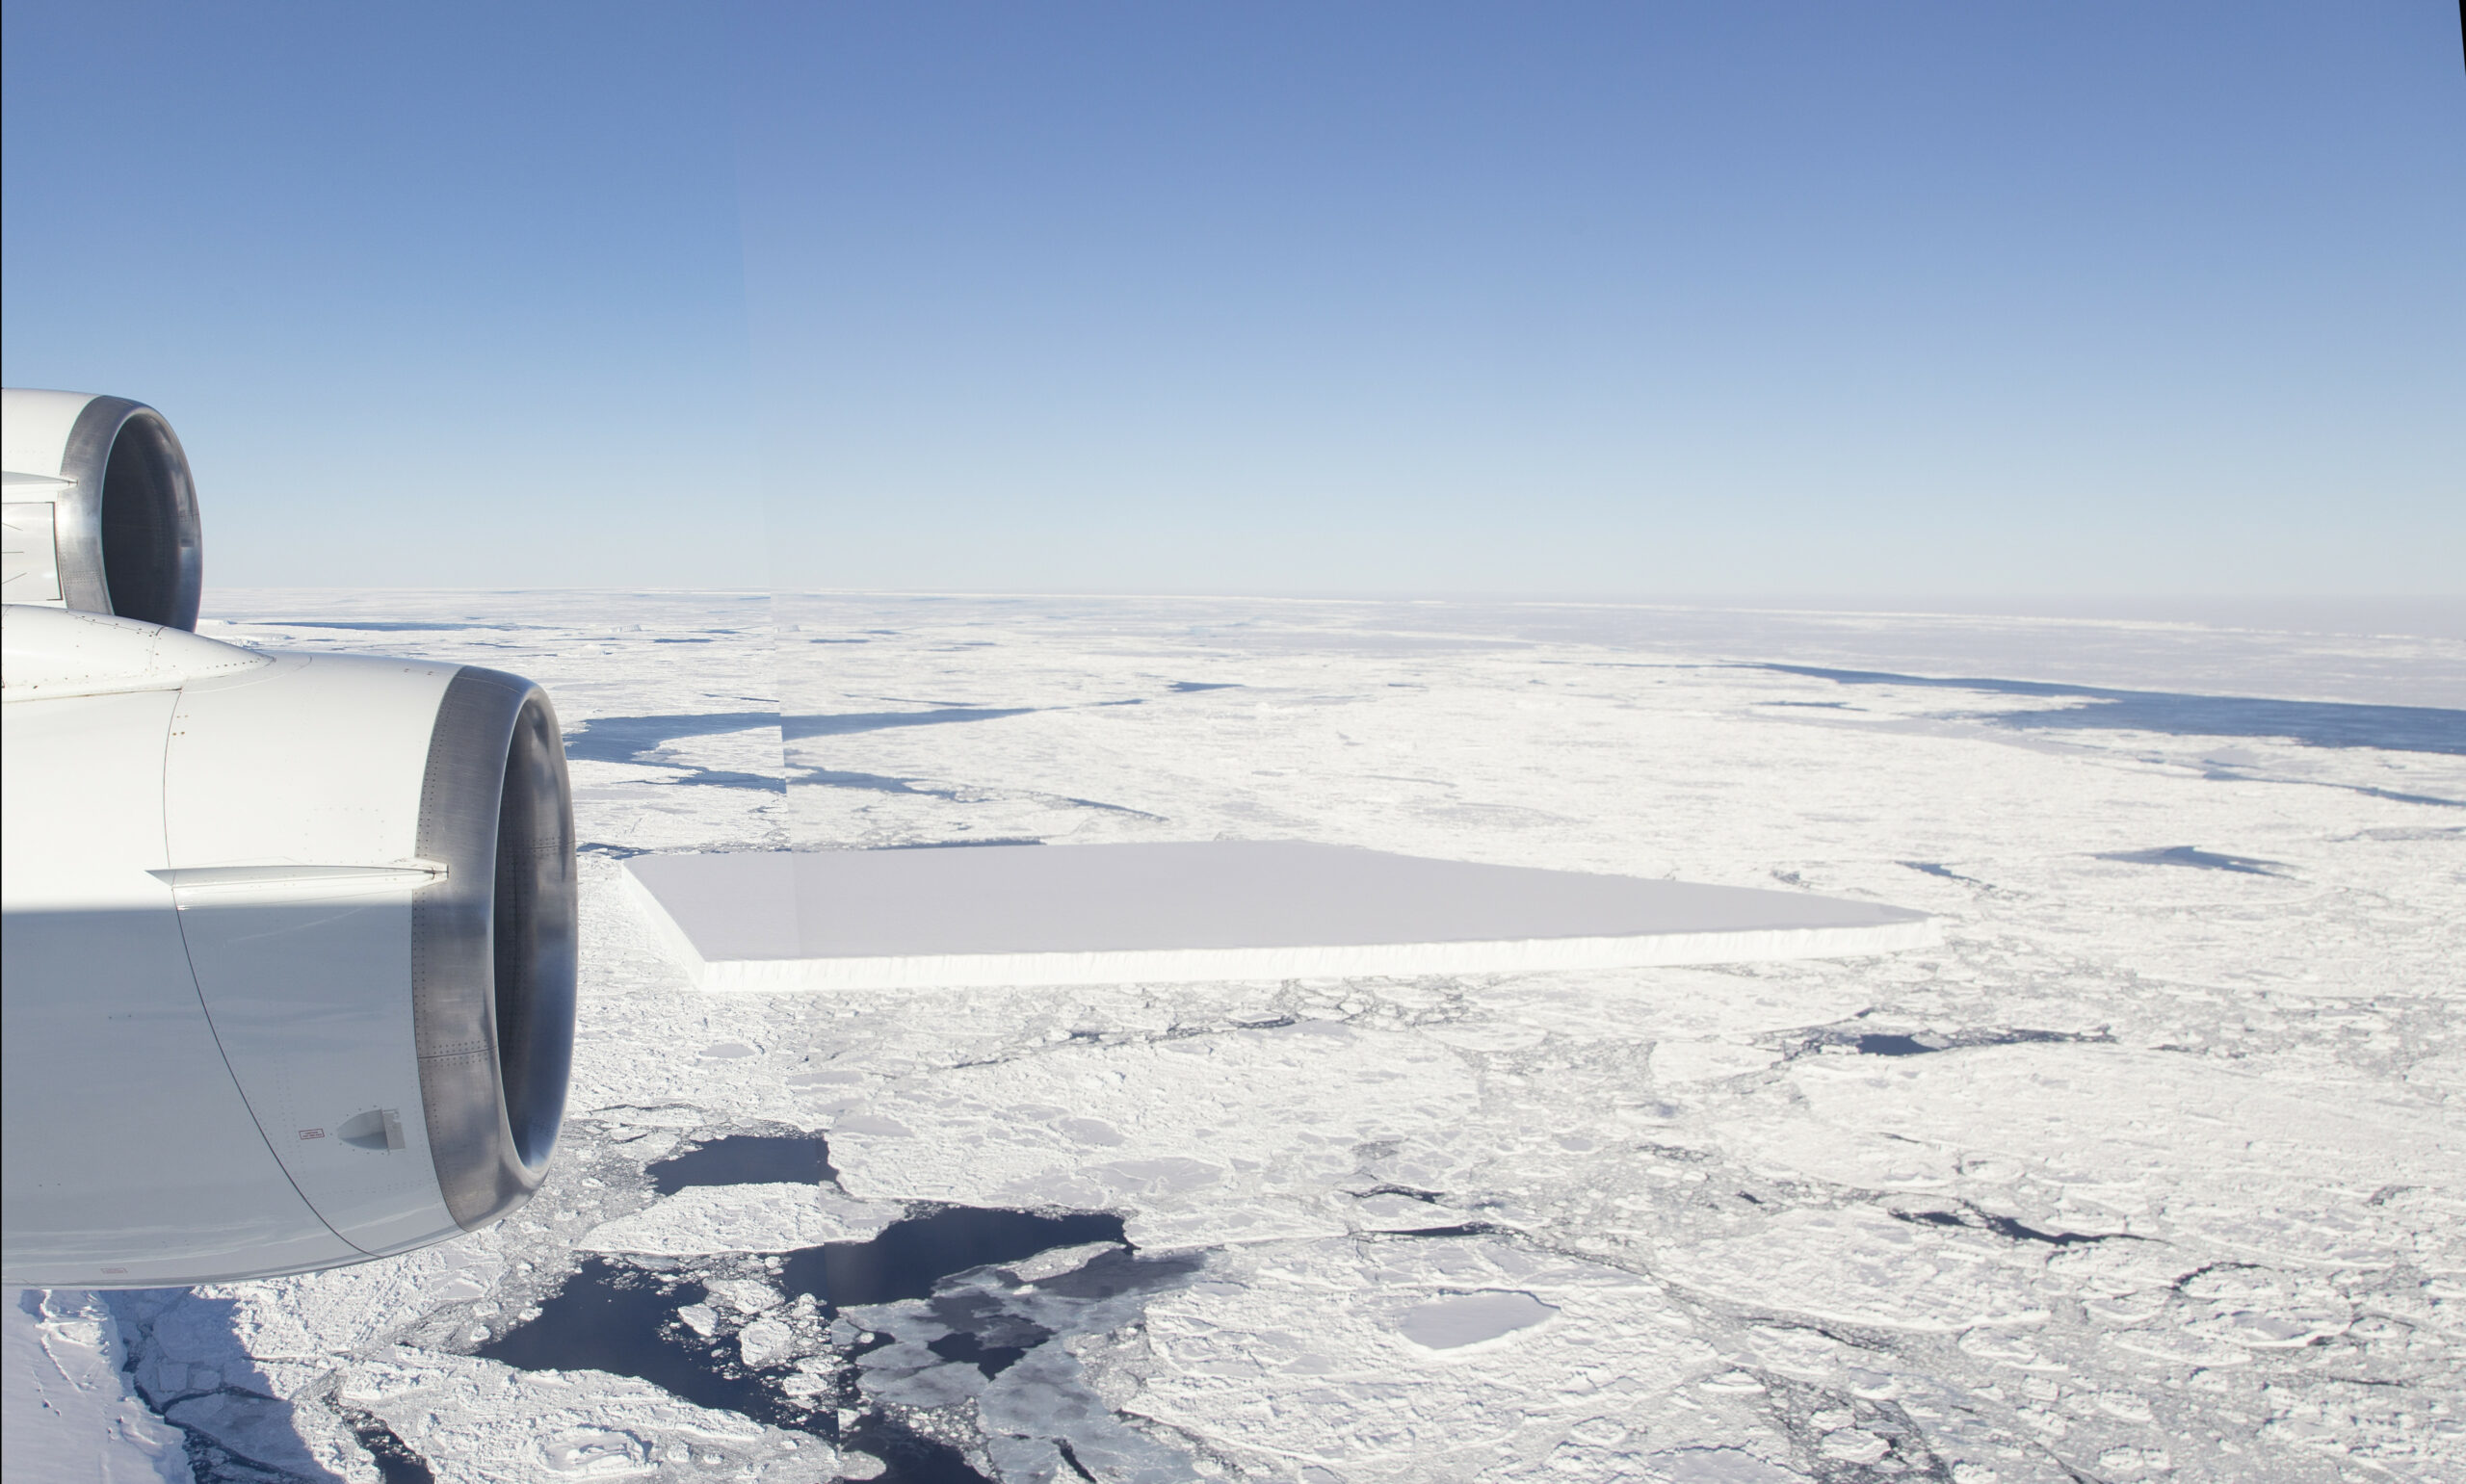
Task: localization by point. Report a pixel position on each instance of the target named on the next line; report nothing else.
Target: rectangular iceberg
(1196, 912)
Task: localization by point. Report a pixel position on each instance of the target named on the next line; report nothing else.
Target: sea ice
(708, 1219)
(71, 1418)
(2143, 1172)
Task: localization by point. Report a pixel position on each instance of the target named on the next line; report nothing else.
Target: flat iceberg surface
(2153, 1169)
(1190, 912)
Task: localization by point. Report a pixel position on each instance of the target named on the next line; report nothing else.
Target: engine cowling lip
(481, 1171)
(78, 524)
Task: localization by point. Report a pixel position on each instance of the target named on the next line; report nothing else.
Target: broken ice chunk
(1053, 1263)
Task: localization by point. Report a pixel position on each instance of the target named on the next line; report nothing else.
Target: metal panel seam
(163, 787)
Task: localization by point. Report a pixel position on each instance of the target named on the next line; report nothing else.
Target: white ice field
(2152, 1169)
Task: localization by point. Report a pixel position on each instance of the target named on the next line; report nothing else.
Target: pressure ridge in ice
(1188, 913)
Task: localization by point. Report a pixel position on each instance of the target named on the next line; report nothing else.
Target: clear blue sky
(1801, 298)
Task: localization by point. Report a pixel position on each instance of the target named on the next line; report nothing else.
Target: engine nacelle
(289, 950)
(102, 512)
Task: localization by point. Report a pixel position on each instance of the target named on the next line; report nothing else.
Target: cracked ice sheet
(1303, 1356)
(1670, 1131)
(2162, 1145)
(1171, 1130)
(71, 1419)
(1863, 1268)
(501, 1424)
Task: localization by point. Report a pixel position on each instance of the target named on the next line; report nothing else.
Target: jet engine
(101, 511)
(290, 939)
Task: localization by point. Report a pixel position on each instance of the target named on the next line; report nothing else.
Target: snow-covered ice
(71, 1417)
(742, 1218)
(2151, 1170)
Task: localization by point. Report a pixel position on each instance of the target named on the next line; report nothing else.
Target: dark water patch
(885, 783)
(621, 739)
(2230, 773)
(715, 778)
(961, 845)
(746, 1160)
(2394, 796)
(1937, 869)
(1807, 1414)
(1900, 1045)
(1683, 1153)
(846, 723)
(910, 1256)
(375, 627)
(2007, 1227)
(396, 1463)
(1887, 1043)
(1462, 1229)
(1093, 804)
(684, 642)
(612, 1316)
(992, 1359)
(2202, 860)
(871, 783)
(1818, 705)
(613, 852)
(1962, 1040)
(1033, 1403)
(909, 1456)
(936, 1339)
(1185, 687)
(1970, 1218)
(2312, 723)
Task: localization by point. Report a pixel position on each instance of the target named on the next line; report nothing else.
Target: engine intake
(493, 943)
(102, 511)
